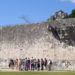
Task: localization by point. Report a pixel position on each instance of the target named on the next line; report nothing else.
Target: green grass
(37, 73)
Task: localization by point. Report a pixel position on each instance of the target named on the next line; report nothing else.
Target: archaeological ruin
(53, 40)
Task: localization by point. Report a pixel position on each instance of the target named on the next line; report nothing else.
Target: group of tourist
(30, 64)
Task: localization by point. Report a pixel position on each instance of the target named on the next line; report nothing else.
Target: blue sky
(11, 11)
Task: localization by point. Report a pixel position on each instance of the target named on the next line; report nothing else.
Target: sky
(33, 11)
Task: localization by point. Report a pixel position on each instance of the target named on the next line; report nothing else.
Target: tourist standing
(42, 64)
(28, 64)
(35, 64)
(38, 64)
(32, 64)
(45, 64)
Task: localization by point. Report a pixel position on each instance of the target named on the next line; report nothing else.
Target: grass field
(37, 73)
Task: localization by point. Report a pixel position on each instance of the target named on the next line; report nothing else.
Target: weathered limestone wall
(35, 40)
(25, 41)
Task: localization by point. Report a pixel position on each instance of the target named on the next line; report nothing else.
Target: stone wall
(25, 41)
(40, 40)
(58, 15)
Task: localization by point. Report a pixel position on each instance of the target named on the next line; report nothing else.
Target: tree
(72, 15)
(25, 19)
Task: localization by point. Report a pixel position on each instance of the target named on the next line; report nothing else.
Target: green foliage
(72, 15)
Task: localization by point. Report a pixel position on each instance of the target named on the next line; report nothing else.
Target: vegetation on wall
(72, 15)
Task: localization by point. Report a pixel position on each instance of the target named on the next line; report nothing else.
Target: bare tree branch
(25, 19)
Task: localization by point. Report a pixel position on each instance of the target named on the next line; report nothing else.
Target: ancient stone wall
(58, 15)
(40, 40)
